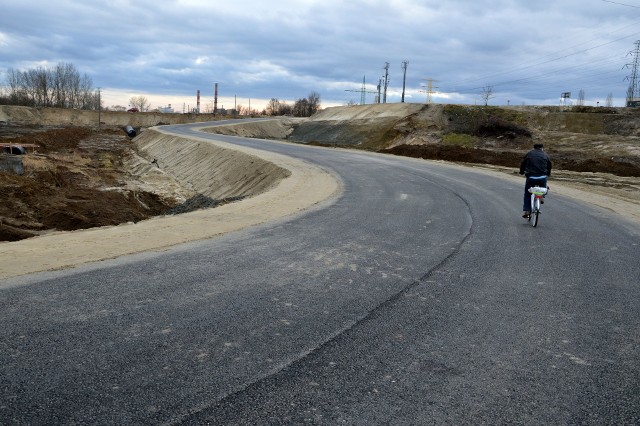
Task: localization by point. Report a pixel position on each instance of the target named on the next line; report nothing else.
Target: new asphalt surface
(416, 296)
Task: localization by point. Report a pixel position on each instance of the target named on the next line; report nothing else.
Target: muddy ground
(76, 179)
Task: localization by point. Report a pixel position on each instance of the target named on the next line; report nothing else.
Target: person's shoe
(526, 215)
(541, 200)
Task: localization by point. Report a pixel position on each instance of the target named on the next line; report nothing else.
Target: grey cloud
(529, 51)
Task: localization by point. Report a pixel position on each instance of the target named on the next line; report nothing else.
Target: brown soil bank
(80, 178)
(75, 181)
(620, 166)
(580, 139)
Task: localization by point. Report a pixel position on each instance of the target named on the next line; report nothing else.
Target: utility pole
(633, 92)
(386, 82)
(404, 77)
(215, 99)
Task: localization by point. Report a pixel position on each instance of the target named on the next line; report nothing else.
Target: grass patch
(458, 139)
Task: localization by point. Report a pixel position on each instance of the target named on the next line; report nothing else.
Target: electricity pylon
(633, 92)
(363, 91)
(430, 88)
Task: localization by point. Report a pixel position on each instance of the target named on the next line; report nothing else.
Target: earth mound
(74, 180)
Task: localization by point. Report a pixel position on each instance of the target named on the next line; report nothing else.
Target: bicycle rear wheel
(535, 212)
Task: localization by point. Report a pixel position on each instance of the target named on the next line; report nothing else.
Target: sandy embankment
(276, 185)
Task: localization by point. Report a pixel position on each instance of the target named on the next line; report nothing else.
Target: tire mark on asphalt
(372, 314)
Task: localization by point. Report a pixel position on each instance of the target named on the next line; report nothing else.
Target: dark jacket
(536, 163)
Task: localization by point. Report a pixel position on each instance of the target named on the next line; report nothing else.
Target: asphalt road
(418, 296)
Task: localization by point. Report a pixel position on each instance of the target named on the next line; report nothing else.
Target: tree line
(303, 107)
(61, 86)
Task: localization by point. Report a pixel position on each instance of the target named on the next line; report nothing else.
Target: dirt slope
(77, 180)
(209, 169)
(81, 178)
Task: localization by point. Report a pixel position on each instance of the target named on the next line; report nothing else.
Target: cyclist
(536, 166)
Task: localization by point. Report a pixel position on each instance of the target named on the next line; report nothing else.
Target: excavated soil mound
(573, 162)
(278, 128)
(456, 153)
(74, 181)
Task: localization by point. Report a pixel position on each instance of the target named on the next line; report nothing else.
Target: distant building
(166, 110)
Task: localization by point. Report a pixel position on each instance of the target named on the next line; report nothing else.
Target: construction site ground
(75, 179)
(122, 192)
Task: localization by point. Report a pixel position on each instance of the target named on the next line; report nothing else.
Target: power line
(363, 91)
(556, 56)
(621, 4)
(544, 62)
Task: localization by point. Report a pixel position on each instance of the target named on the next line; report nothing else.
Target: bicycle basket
(538, 190)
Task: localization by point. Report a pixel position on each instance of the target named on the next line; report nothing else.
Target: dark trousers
(532, 181)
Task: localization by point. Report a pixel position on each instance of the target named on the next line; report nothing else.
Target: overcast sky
(528, 51)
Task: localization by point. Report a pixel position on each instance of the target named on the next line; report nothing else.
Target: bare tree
(306, 107)
(487, 93)
(140, 102)
(286, 109)
(67, 85)
(609, 101)
(273, 107)
(61, 87)
(314, 102)
(301, 108)
(581, 97)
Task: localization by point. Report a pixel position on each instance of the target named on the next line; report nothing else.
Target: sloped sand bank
(276, 186)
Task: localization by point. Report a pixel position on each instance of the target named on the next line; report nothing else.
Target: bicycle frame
(537, 193)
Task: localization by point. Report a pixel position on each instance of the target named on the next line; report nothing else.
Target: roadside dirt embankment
(276, 128)
(26, 116)
(366, 126)
(275, 186)
(580, 139)
(206, 168)
(594, 149)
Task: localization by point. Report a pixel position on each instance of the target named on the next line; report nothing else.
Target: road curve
(418, 296)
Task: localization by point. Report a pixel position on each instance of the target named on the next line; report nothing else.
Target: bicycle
(537, 194)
